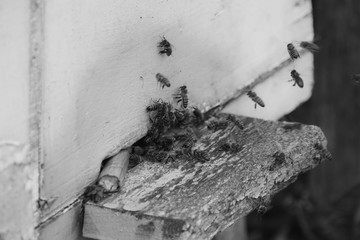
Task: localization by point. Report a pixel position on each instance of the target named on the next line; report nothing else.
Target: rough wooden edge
(155, 194)
(35, 96)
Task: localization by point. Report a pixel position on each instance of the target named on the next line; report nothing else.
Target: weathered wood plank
(100, 59)
(65, 225)
(189, 200)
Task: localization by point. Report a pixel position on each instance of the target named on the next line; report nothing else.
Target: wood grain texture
(100, 61)
(190, 200)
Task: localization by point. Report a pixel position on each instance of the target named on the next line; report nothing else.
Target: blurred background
(325, 203)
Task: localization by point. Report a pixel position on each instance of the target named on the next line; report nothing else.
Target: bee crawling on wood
(296, 78)
(164, 82)
(156, 156)
(172, 118)
(166, 142)
(182, 96)
(95, 193)
(217, 125)
(261, 204)
(188, 134)
(323, 152)
(256, 99)
(155, 106)
(311, 47)
(182, 116)
(164, 47)
(42, 204)
(199, 116)
(152, 134)
(279, 160)
(134, 160)
(236, 122)
(294, 54)
(201, 156)
(233, 147)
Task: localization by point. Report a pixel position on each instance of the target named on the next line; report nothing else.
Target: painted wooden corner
(186, 199)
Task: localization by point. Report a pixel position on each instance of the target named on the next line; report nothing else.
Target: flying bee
(296, 78)
(256, 99)
(164, 47)
(201, 156)
(356, 78)
(311, 47)
(182, 96)
(279, 160)
(164, 82)
(217, 125)
(294, 54)
(236, 122)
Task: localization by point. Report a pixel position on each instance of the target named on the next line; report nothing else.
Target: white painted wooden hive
(98, 75)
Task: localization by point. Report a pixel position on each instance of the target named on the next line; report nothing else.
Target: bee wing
(310, 46)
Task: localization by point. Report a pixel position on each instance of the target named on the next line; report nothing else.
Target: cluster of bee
(171, 134)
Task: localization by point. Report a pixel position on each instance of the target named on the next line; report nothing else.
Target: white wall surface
(18, 178)
(14, 70)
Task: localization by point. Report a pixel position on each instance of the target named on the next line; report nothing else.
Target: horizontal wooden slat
(190, 200)
(99, 62)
